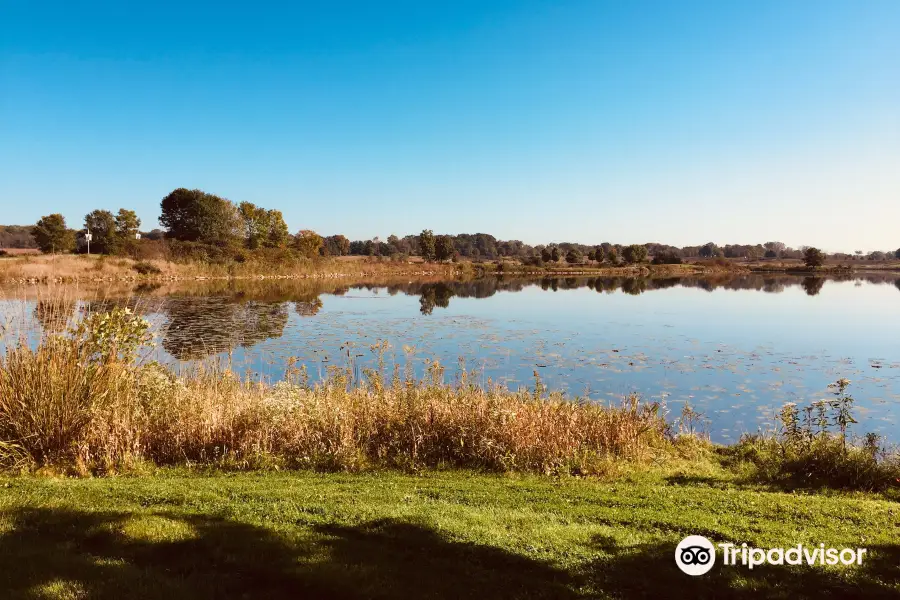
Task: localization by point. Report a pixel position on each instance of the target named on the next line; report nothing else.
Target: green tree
(635, 253)
(599, 254)
(427, 245)
(195, 216)
(308, 243)
(612, 254)
(127, 224)
(101, 224)
(546, 254)
(52, 235)
(443, 248)
(255, 224)
(709, 250)
(554, 254)
(278, 234)
(813, 257)
(336, 245)
(573, 257)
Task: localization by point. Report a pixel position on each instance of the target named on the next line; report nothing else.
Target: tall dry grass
(81, 401)
(83, 268)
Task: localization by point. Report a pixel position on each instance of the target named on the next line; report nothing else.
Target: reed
(80, 400)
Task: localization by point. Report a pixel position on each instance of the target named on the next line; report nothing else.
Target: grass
(65, 405)
(70, 268)
(451, 534)
(401, 487)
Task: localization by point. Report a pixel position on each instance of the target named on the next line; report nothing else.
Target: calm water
(735, 349)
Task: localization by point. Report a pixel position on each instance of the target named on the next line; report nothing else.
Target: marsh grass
(82, 400)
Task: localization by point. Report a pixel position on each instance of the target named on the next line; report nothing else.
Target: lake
(736, 348)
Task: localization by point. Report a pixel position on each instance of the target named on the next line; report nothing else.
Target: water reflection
(198, 327)
(217, 317)
(813, 285)
(54, 314)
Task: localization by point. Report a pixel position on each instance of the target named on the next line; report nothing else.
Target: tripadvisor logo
(696, 555)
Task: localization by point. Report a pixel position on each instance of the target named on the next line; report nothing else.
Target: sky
(585, 121)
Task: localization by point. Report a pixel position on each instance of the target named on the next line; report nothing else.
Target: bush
(813, 257)
(148, 249)
(146, 268)
(199, 252)
(635, 253)
(813, 449)
(666, 258)
(51, 396)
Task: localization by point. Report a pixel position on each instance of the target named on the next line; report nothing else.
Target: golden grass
(84, 268)
(63, 405)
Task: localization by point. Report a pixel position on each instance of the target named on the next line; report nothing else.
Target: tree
(336, 245)
(554, 254)
(195, 216)
(52, 236)
(574, 257)
(127, 224)
(599, 254)
(813, 257)
(443, 248)
(427, 245)
(897, 254)
(667, 257)
(708, 250)
(278, 234)
(612, 254)
(254, 220)
(101, 224)
(635, 253)
(546, 254)
(308, 243)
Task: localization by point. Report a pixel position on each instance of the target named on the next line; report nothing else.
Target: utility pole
(87, 238)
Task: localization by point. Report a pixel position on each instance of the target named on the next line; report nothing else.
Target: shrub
(51, 396)
(813, 449)
(666, 258)
(813, 257)
(635, 253)
(146, 268)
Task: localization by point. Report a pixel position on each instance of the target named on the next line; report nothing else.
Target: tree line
(200, 225)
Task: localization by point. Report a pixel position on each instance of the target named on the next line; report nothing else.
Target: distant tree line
(196, 224)
(16, 236)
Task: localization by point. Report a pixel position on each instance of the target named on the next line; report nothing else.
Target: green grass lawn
(439, 535)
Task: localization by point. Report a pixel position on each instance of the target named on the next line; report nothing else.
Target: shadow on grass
(70, 554)
(649, 571)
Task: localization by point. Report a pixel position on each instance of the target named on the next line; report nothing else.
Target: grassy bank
(83, 268)
(452, 534)
(81, 402)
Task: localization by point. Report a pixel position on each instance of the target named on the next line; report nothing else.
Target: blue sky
(678, 122)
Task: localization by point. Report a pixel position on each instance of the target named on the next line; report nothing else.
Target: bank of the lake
(35, 269)
(456, 534)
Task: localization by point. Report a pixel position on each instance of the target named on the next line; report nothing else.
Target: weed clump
(146, 268)
(813, 448)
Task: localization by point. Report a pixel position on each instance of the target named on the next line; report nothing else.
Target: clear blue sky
(679, 122)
